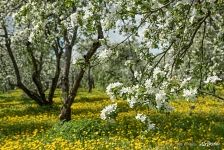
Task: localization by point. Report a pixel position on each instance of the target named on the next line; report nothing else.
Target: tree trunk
(37, 98)
(90, 83)
(37, 67)
(66, 108)
(69, 99)
(55, 79)
(65, 113)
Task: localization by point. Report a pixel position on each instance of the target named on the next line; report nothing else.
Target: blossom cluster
(190, 93)
(144, 119)
(111, 87)
(105, 54)
(212, 79)
(107, 112)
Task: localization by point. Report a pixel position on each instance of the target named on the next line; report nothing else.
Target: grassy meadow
(26, 126)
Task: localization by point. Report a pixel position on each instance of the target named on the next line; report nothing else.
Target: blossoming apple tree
(188, 36)
(28, 49)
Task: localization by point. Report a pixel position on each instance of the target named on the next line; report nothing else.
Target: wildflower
(107, 111)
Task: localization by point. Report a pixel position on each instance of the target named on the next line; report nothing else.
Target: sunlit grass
(24, 125)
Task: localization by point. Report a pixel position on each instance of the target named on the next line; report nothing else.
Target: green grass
(25, 125)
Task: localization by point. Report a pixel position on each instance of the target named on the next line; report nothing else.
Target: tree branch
(214, 95)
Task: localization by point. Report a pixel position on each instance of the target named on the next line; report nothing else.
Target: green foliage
(77, 130)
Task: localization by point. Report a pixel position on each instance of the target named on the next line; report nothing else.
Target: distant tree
(35, 59)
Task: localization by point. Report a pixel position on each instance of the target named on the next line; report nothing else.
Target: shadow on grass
(86, 110)
(18, 99)
(25, 128)
(196, 127)
(83, 99)
(5, 99)
(175, 126)
(54, 109)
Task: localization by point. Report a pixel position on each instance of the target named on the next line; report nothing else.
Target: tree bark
(37, 67)
(67, 55)
(65, 114)
(56, 76)
(90, 80)
(66, 108)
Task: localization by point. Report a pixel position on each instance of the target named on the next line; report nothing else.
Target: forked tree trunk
(39, 97)
(69, 97)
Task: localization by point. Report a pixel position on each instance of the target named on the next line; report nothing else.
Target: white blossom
(185, 81)
(137, 75)
(110, 87)
(190, 94)
(116, 8)
(193, 14)
(31, 37)
(144, 119)
(141, 117)
(107, 111)
(167, 67)
(157, 71)
(127, 63)
(160, 98)
(148, 83)
(125, 90)
(105, 54)
(132, 101)
(149, 86)
(212, 79)
(161, 95)
(74, 19)
(151, 125)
